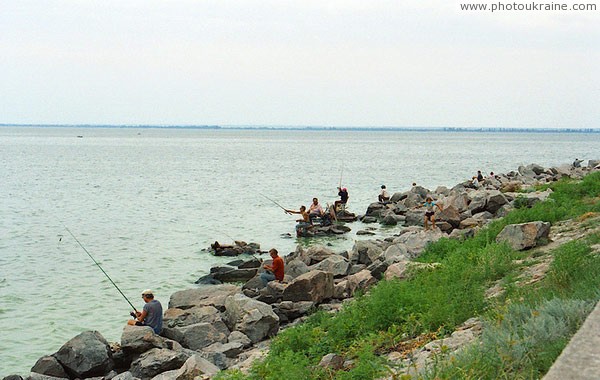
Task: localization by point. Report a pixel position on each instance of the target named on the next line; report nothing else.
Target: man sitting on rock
(273, 271)
(151, 315)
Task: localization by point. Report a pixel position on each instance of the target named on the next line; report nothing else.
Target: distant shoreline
(313, 128)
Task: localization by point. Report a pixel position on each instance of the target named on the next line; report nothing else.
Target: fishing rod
(283, 208)
(95, 262)
(341, 174)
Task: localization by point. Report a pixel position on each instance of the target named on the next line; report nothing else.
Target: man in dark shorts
(151, 315)
(430, 212)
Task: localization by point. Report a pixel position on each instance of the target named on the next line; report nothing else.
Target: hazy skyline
(326, 63)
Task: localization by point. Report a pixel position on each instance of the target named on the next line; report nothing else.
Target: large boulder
(138, 339)
(495, 200)
(86, 355)
(525, 235)
(451, 215)
(315, 286)
(478, 201)
(213, 295)
(200, 335)
(175, 317)
(336, 264)
(416, 240)
(253, 318)
(295, 268)
(458, 200)
(156, 361)
(231, 274)
(314, 254)
(361, 280)
(48, 365)
(195, 367)
(395, 253)
(365, 252)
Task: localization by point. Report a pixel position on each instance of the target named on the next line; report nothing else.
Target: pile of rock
(235, 249)
(214, 327)
(467, 206)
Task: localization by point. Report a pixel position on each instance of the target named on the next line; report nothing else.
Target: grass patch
(524, 337)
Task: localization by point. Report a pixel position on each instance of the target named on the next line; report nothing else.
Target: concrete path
(581, 358)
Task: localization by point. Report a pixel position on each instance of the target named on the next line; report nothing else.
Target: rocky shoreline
(221, 324)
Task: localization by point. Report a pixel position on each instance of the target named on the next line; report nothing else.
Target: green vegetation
(525, 329)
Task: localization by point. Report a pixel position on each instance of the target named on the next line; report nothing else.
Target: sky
(424, 63)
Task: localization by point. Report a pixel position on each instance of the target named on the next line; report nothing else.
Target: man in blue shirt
(151, 315)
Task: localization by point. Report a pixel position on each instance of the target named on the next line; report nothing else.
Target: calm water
(146, 202)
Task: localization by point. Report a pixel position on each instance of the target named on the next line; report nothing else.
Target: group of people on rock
(316, 211)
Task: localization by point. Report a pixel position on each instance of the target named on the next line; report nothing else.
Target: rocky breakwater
(468, 206)
(213, 327)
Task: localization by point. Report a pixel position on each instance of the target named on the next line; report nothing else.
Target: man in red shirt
(273, 271)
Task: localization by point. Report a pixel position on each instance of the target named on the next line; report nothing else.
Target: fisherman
(304, 223)
(343, 193)
(383, 196)
(274, 271)
(151, 315)
(315, 210)
(577, 163)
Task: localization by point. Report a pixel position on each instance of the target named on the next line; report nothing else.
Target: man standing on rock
(151, 315)
(273, 271)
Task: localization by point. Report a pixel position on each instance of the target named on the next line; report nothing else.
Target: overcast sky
(280, 62)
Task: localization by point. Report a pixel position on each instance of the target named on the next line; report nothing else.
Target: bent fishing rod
(97, 264)
(283, 208)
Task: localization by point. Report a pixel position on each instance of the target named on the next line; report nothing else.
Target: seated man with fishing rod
(315, 210)
(151, 315)
(274, 271)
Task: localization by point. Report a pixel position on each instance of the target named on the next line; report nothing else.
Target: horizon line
(309, 127)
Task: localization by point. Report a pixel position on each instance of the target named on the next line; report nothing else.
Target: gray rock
(362, 280)
(156, 361)
(175, 317)
(495, 201)
(127, 375)
(49, 366)
(377, 269)
(365, 251)
(295, 268)
(315, 286)
(35, 376)
(239, 337)
(525, 235)
(230, 349)
(253, 318)
(395, 252)
(86, 355)
(451, 215)
(138, 339)
(336, 264)
(414, 218)
(213, 295)
(228, 274)
(332, 361)
(293, 310)
(200, 335)
(196, 366)
(478, 201)
(369, 219)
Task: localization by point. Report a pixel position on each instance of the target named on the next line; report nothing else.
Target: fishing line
(283, 208)
(95, 262)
